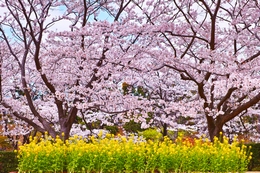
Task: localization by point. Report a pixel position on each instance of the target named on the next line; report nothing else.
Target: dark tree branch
(241, 108)
(226, 97)
(18, 115)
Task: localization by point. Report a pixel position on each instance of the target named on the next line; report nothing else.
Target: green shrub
(112, 129)
(132, 127)
(8, 161)
(254, 164)
(151, 134)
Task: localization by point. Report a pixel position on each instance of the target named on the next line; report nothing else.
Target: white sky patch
(62, 25)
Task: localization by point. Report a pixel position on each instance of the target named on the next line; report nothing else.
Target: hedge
(8, 161)
(254, 164)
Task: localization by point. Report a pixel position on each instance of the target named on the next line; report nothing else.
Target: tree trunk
(165, 132)
(215, 127)
(66, 123)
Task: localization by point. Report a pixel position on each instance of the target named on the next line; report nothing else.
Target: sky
(63, 25)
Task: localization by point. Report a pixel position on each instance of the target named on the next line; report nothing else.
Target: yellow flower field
(122, 154)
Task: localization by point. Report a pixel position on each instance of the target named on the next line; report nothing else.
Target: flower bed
(123, 154)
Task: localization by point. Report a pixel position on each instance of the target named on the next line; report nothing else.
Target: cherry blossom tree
(214, 45)
(211, 45)
(56, 76)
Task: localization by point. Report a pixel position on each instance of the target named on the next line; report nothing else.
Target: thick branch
(18, 115)
(251, 58)
(241, 108)
(226, 97)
